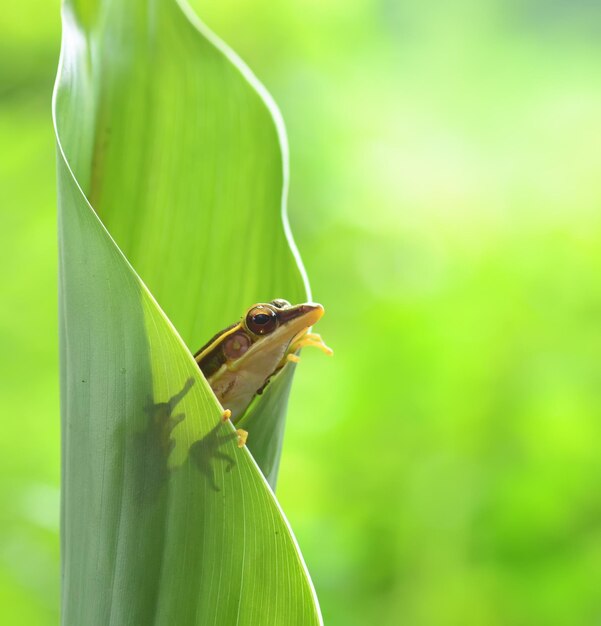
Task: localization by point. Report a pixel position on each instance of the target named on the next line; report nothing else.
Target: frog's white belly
(235, 390)
(236, 387)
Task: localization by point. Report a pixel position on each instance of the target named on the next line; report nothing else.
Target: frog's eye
(261, 320)
(236, 345)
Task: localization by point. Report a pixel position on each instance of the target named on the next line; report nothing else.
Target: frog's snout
(305, 315)
(312, 312)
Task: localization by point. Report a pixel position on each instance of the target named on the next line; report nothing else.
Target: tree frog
(239, 361)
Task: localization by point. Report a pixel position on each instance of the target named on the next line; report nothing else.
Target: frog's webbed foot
(308, 339)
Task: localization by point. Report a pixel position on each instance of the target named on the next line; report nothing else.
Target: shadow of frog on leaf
(156, 444)
(161, 422)
(205, 450)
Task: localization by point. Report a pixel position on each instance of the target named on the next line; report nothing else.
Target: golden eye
(261, 320)
(236, 345)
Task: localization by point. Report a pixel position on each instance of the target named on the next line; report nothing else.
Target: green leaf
(172, 175)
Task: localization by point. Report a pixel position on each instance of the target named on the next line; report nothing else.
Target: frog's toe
(225, 416)
(311, 339)
(242, 437)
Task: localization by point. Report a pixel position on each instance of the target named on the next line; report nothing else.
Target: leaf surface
(172, 182)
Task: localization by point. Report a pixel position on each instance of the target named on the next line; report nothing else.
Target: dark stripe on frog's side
(210, 357)
(212, 361)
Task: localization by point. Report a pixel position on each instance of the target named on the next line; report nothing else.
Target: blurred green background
(444, 468)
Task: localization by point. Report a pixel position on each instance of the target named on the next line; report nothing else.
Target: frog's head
(240, 360)
(279, 320)
(267, 330)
